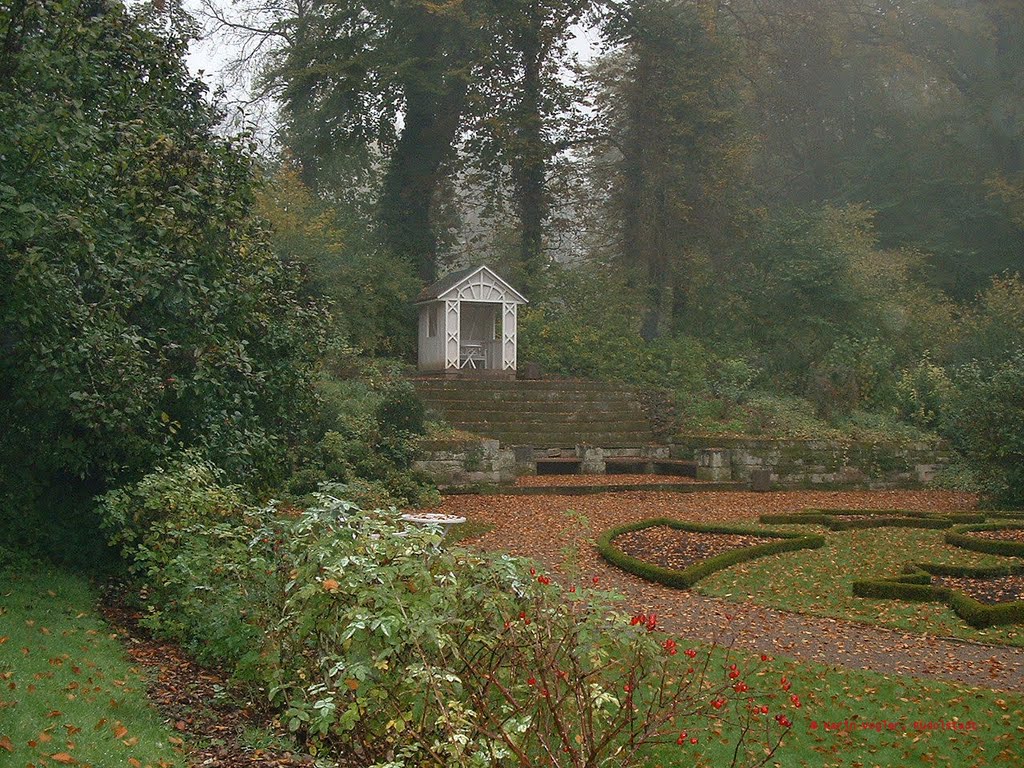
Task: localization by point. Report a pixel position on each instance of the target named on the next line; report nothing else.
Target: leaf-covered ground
(537, 526)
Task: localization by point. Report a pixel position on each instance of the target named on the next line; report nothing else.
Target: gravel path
(535, 526)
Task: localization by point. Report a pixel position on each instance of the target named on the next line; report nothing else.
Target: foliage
(993, 327)
(671, 148)
(986, 424)
(409, 652)
(189, 489)
(921, 394)
(367, 293)
(142, 309)
(370, 423)
(586, 323)
(379, 643)
(206, 578)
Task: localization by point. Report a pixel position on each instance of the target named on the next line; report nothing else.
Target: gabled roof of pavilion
(449, 286)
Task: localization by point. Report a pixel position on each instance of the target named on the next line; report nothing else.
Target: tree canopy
(142, 309)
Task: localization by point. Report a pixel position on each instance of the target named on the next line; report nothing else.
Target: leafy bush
(371, 422)
(207, 579)
(921, 394)
(400, 410)
(211, 586)
(141, 307)
(854, 373)
(986, 424)
(189, 489)
(406, 652)
(380, 644)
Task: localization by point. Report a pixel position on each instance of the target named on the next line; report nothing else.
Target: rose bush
(377, 642)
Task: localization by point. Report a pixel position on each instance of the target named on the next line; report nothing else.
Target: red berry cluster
(651, 621)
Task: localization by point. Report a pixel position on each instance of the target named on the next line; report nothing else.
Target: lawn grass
(820, 581)
(853, 718)
(68, 693)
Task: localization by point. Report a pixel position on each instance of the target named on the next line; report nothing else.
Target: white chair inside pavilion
(479, 336)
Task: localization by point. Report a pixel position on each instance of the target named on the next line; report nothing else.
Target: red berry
(532, 681)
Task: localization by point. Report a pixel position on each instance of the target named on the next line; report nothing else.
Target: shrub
(189, 489)
(383, 646)
(141, 307)
(207, 578)
(921, 394)
(407, 653)
(986, 424)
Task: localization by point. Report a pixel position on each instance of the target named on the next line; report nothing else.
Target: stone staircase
(542, 414)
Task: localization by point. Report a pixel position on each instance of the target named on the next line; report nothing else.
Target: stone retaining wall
(483, 461)
(802, 463)
(464, 462)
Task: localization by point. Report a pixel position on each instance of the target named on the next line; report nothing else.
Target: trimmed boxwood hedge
(873, 518)
(914, 583)
(687, 577)
(958, 538)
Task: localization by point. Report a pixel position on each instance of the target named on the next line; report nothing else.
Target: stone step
(576, 385)
(548, 406)
(525, 397)
(549, 414)
(562, 420)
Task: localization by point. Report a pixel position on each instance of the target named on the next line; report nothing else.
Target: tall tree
(141, 308)
(525, 96)
(675, 144)
(387, 77)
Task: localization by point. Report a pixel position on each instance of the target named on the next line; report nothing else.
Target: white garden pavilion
(467, 324)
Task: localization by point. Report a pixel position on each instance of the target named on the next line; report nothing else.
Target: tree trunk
(434, 101)
(529, 165)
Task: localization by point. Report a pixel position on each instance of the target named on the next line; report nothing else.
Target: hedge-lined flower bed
(915, 584)
(873, 518)
(960, 537)
(688, 576)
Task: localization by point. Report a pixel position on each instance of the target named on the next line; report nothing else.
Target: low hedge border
(1014, 515)
(683, 579)
(959, 537)
(914, 584)
(874, 518)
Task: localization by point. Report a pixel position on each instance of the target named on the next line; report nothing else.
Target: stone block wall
(464, 462)
(803, 463)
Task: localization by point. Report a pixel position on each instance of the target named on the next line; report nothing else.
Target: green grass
(831, 696)
(67, 685)
(820, 581)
